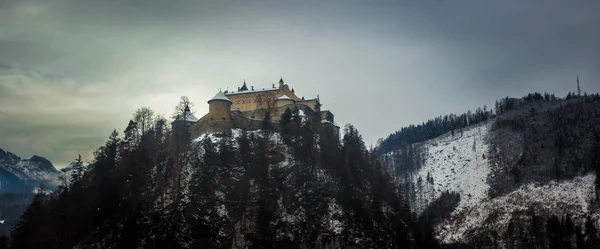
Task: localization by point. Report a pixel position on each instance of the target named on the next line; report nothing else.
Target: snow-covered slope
(456, 163)
(18, 174)
(573, 197)
(459, 163)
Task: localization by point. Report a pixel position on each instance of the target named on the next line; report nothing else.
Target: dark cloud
(380, 65)
(509, 39)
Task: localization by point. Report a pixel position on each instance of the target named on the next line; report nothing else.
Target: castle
(246, 108)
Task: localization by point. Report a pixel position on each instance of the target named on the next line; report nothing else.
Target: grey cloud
(517, 38)
(379, 65)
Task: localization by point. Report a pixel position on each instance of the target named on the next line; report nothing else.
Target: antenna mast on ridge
(578, 88)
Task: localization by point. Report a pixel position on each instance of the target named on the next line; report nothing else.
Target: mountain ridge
(535, 160)
(22, 175)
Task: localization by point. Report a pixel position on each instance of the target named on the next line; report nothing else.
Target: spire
(244, 87)
(187, 108)
(293, 90)
(281, 80)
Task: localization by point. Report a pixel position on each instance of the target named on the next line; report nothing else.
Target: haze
(71, 71)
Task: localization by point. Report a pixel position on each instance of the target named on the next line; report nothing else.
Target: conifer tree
(78, 170)
(4, 242)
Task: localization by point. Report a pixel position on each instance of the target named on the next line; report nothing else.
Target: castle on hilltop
(246, 109)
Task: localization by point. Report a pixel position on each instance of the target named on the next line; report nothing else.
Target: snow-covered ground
(573, 196)
(456, 163)
(459, 163)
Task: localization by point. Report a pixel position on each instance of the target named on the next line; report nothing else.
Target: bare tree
(184, 102)
(266, 103)
(144, 118)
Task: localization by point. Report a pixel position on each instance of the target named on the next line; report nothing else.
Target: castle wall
(246, 111)
(240, 120)
(251, 100)
(276, 112)
(327, 115)
(310, 103)
(284, 102)
(204, 125)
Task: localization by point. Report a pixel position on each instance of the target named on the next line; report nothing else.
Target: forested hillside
(158, 188)
(535, 158)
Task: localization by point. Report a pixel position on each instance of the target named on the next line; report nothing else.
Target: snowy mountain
(22, 175)
(535, 160)
(458, 164)
(256, 189)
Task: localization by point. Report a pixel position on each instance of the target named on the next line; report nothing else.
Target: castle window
(212, 118)
(237, 102)
(223, 118)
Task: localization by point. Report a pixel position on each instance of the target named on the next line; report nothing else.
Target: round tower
(218, 108)
(284, 100)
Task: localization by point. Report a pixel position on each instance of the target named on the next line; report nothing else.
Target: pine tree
(591, 232)
(286, 119)
(579, 237)
(27, 232)
(131, 135)
(78, 171)
(4, 242)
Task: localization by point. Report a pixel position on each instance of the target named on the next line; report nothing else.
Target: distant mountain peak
(8, 157)
(43, 163)
(18, 174)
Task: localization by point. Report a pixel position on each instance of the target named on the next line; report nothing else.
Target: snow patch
(455, 162)
(572, 196)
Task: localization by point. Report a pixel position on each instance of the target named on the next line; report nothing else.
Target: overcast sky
(71, 71)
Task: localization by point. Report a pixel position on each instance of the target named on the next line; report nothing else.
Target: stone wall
(250, 100)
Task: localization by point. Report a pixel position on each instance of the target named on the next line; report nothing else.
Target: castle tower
(218, 109)
(281, 83)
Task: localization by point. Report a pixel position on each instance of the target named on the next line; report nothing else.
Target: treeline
(155, 188)
(439, 210)
(544, 139)
(535, 231)
(11, 207)
(452, 122)
(535, 138)
(411, 134)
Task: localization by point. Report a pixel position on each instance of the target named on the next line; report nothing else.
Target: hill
(158, 188)
(531, 161)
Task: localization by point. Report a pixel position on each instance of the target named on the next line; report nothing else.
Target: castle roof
(187, 116)
(284, 97)
(253, 91)
(281, 80)
(220, 96)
